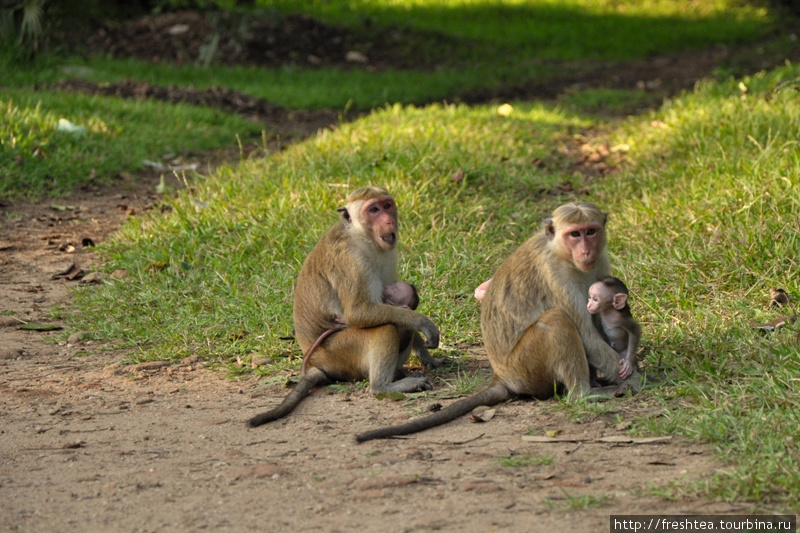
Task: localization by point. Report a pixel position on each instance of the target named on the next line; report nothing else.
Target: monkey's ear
(549, 228)
(605, 218)
(345, 214)
(620, 299)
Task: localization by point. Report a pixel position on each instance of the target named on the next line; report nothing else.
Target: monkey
(536, 329)
(400, 294)
(404, 294)
(608, 299)
(344, 276)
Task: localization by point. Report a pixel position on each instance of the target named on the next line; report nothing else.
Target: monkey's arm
(360, 311)
(629, 363)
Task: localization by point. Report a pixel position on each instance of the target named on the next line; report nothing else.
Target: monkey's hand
(431, 333)
(626, 368)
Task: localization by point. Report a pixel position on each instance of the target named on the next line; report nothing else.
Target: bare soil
(89, 445)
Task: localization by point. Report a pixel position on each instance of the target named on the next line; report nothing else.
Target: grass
(518, 461)
(705, 218)
(557, 29)
(468, 46)
(579, 503)
(38, 158)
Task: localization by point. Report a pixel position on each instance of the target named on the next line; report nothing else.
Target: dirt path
(87, 445)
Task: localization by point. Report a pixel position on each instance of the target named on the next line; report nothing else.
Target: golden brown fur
(344, 276)
(536, 329)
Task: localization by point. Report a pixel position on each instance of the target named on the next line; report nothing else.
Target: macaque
(344, 277)
(399, 294)
(608, 299)
(537, 331)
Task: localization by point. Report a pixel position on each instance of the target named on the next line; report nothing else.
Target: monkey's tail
(310, 379)
(495, 394)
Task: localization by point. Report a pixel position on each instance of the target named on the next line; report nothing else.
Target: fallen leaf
(778, 298)
(91, 278)
(73, 272)
(33, 326)
(482, 414)
(394, 396)
(119, 273)
(157, 266)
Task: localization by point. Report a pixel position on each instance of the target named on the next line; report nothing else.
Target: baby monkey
(608, 298)
(398, 294)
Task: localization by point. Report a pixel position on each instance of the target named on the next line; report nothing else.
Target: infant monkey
(608, 298)
(398, 294)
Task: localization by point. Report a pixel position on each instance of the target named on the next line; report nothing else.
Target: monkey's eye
(591, 231)
(575, 234)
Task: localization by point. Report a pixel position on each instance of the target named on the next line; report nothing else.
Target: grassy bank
(704, 222)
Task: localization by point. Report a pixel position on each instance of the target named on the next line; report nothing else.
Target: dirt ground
(89, 445)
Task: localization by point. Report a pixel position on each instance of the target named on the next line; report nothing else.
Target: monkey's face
(598, 296)
(398, 294)
(584, 243)
(379, 216)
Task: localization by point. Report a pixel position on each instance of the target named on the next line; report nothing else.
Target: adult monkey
(344, 276)
(536, 328)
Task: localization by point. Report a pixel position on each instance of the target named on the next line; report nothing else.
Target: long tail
(310, 379)
(495, 394)
(325, 335)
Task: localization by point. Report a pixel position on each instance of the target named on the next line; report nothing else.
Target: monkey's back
(516, 297)
(316, 303)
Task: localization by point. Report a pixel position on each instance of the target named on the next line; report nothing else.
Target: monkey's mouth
(389, 238)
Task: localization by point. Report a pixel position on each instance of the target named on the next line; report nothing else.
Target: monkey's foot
(431, 363)
(407, 384)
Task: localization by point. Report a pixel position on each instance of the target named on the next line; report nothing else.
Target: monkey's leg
(550, 352)
(386, 350)
(424, 356)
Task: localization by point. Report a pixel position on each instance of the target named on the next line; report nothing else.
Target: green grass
(704, 220)
(558, 29)
(485, 44)
(38, 159)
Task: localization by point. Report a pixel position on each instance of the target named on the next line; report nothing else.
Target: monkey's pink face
(583, 241)
(398, 294)
(596, 297)
(381, 215)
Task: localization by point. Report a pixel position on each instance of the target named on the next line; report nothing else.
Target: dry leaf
(482, 414)
(73, 272)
